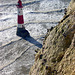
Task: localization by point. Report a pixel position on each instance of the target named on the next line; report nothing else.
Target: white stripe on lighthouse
(20, 12)
(20, 25)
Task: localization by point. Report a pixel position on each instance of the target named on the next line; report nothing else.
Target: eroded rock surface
(57, 56)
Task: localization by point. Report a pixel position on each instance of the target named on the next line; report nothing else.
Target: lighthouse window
(18, 3)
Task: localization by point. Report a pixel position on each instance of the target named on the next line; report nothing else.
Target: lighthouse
(21, 31)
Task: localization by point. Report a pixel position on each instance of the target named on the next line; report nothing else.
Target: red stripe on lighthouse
(20, 19)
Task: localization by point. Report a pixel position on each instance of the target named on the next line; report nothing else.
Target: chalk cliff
(57, 56)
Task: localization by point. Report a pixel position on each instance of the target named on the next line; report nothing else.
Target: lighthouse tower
(21, 31)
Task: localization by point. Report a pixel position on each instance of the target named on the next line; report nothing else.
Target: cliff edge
(57, 56)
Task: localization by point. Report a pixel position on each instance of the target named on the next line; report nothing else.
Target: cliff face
(57, 56)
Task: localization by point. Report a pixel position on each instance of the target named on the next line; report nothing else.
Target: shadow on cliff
(33, 41)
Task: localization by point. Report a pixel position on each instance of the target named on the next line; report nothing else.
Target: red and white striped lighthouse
(20, 15)
(21, 31)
